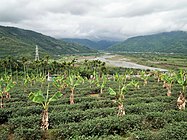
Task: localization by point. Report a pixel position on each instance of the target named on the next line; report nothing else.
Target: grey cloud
(106, 19)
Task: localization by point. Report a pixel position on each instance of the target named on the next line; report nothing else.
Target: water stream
(123, 63)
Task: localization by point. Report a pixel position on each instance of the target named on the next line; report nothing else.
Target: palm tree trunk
(7, 95)
(17, 75)
(169, 90)
(45, 120)
(164, 84)
(101, 91)
(145, 82)
(72, 97)
(181, 102)
(121, 110)
(1, 104)
(158, 80)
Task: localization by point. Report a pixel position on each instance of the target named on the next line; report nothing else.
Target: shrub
(174, 131)
(4, 132)
(141, 135)
(28, 134)
(98, 127)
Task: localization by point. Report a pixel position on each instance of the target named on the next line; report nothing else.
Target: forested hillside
(97, 45)
(19, 42)
(167, 42)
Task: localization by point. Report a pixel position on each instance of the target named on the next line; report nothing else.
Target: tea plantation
(149, 114)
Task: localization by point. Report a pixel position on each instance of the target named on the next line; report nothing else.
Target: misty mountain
(167, 42)
(97, 45)
(20, 42)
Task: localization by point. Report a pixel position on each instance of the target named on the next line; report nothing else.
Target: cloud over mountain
(106, 19)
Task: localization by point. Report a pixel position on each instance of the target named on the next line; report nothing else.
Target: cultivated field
(90, 101)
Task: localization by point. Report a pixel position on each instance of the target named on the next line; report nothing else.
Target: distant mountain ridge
(167, 42)
(20, 42)
(97, 45)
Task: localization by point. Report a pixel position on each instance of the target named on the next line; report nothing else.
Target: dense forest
(167, 42)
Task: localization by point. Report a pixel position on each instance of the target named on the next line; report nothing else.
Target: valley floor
(161, 62)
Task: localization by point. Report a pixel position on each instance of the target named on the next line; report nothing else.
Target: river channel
(122, 63)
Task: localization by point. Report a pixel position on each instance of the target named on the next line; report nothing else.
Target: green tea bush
(25, 122)
(157, 120)
(5, 114)
(4, 132)
(35, 109)
(79, 115)
(142, 108)
(100, 126)
(161, 99)
(141, 135)
(173, 131)
(103, 137)
(28, 134)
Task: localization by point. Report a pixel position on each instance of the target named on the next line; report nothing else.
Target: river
(122, 63)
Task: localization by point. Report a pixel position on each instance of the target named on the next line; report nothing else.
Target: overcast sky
(95, 19)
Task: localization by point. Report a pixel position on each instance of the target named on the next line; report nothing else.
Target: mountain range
(20, 42)
(166, 42)
(97, 45)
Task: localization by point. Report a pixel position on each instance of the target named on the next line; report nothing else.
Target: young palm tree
(101, 82)
(24, 61)
(44, 100)
(181, 79)
(60, 82)
(72, 81)
(157, 75)
(123, 88)
(168, 79)
(144, 76)
(6, 84)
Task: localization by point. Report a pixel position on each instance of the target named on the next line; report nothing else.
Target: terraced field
(150, 115)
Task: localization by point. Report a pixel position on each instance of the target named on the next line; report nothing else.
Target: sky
(95, 19)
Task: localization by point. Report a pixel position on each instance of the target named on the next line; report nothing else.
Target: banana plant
(26, 81)
(144, 77)
(91, 82)
(41, 79)
(135, 84)
(59, 82)
(92, 79)
(44, 100)
(181, 101)
(121, 79)
(119, 95)
(72, 81)
(181, 79)
(6, 84)
(32, 79)
(163, 79)
(157, 75)
(101, 82)
(169, 79)
(128, 74)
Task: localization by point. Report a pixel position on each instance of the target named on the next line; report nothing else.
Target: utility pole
(37, 54)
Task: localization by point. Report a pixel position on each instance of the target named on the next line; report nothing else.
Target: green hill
(97, 45)
(19, 42)
(167, 42)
